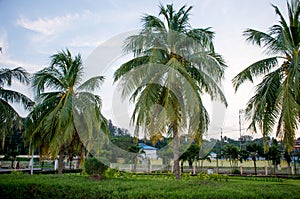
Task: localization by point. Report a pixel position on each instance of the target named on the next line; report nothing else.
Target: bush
(236, 171)
(112, 173)
(94, 167)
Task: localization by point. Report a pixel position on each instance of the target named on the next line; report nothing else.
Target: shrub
(236, 171)
(94, 167)
(112, 173)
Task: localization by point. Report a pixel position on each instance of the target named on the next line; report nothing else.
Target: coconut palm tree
(8, 115)
(231, 152)
(276, 101)
(173, 65)
(255, 151)
(66, 116)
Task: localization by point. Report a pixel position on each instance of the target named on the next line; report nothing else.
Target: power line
(225, 132)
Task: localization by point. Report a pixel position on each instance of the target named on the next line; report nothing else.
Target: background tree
(173, 66)
(231, 153)
(255, 151)
(136, 150)
(274, 154)
(243, 155)
(64, 108)
(277, 96)
(190, 155)
(288, 158)
(8, 115)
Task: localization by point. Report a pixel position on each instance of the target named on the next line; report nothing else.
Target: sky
(33, 30)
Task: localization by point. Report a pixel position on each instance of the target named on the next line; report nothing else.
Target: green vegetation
(63, 100)
(143, 186)
(9, 118)
(173, 66)
(276, 102)
(94, 167)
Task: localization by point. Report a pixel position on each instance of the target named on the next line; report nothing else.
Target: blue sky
(31, 31)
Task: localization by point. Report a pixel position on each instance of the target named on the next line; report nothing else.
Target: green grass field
(76, 186)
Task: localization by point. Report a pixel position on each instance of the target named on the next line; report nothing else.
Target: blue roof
(146, 147)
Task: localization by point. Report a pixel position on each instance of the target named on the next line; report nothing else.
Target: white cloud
(5, 55)
(7, 62)
(3, 40)
(50, 26)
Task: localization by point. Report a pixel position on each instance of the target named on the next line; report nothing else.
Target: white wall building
(150, 152)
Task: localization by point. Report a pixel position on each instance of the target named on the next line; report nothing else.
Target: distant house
(213, 155)
(150, 152)
(297, 144)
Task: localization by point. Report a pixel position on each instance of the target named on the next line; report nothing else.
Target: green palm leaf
(276, 99)
(64, 105)
(173, 66)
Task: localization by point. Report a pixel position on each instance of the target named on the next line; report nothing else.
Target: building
(297, 144)
(150, 152)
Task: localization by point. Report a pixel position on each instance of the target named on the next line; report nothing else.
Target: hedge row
(76, 186)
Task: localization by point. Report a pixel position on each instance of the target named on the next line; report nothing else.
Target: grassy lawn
(76, 186)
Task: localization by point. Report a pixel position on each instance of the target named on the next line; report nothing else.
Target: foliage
(94, 167)
(194, 153)
(190, 155)
(255, 151)
(236, 171)
(116, 131)
(135, 151)
(276, 102)
(112, 173)
(8, 115)
(68, 186)
(288, 158)
(173, 66)
(274, 154)
(243, 155)
(231, 153)
(67, 113)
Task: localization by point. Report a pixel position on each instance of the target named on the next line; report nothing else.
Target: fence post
(266, 170)
(194, 170)
(241, 169)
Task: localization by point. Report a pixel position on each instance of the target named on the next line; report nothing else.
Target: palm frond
(15, 97)
(92, 84)
(19, 74)
(258, 68)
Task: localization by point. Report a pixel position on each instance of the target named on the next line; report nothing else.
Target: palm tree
(67, 114)
(135, 151)
(231, 152)
(190, 155)
(255, 151)
(277, 96)
(8, 115)
(173, 66)
(274, 154)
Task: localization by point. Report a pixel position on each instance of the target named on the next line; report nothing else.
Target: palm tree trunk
(255, 170)
(182, 166)
(61, 160)
(176, 152)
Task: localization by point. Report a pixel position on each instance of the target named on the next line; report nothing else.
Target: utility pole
(221, 139)
(241, 111)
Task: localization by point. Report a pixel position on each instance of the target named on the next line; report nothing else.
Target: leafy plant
(112, 173)
(95, 167)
